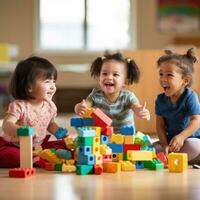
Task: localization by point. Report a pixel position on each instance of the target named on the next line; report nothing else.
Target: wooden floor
(141, 184)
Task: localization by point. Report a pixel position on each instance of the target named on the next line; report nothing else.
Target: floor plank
(141, 184)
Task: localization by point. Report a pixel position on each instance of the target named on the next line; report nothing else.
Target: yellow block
(139, 155)
(177, 162)
(127, 166)
(117, 139)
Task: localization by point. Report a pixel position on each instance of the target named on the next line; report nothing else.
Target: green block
(58, 167)
(154, 164)
(25, 131)
(84, 169)
(85, 141)
(125, 156)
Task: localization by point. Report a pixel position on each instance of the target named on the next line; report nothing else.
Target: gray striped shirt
(120, 111)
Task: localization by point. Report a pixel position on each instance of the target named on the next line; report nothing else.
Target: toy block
(98, 159)
(111, 167)
(97, 130)
(101, 119)
(96, 140)
(68, 168)
(104, 149)
(139, 155)
(116, 139)
(116, 148)
(147, 140)
(49, 166)
(48, 155)
(85, 141)
(177, 162)
(139, 164)
(84, 169)
(107, 130)
(85, 159)
(98, 169)
(128, 130)
(127, 166)
(129, 139)
(88, 121)
(107, 158)
(162, 157)
(76, 122)
(70, 143)
(88, 112)
(86, 132)
(125, 156)
(131, 147)
(84, 150)
(37, 149)
(104, 139)
(26, 151)
(96, 149)
(69, 162)
(116, 157)
(63, 153)
(139, 138)
(58, 167)
(25, 131)
(154, 164)
(22, 172)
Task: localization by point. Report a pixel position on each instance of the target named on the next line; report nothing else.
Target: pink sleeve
(15, 108)
(53, 108)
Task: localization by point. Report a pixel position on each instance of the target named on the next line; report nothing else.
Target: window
(90, 25)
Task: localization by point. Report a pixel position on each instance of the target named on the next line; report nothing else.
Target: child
(177, 109)
(32, 86)
(113, 72)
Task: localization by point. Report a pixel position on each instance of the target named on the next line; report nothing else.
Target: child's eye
(160, 74)
(116, 75)
(170, 75)
(104, 73)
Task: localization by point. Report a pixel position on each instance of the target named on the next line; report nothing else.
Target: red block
(163, 158)
(101, 119)
(107, 130)
(22, 172)
(131, 147)
(98, 169)
(107, 158)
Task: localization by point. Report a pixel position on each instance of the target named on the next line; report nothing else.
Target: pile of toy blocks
(98, 149)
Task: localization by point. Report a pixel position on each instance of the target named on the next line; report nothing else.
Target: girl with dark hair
(113, 71)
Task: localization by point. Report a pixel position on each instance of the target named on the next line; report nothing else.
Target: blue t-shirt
(120, 111)
(177, 115)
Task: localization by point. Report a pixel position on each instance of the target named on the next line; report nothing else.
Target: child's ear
(187, 80)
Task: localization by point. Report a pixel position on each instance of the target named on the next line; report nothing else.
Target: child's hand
(176, 143)
(166, 150)
(81, 107)
(60, 133)
(144, 113)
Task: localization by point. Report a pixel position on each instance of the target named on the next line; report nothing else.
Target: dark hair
(133, 72)
(184, 61)
(27, 72)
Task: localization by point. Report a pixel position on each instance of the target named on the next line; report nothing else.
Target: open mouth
(166, 88)
(109, 84)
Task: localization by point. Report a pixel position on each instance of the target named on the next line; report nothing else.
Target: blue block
(104, 139)
(139, 165)
(128, 130)
(84, 150)
(63, 153)
(88, 121)
(86, 132)
(25, 131)
(116, 148)
(76, 122)
(85, 159)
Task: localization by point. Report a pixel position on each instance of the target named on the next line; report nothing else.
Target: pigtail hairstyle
(95, 68)
(133, 72)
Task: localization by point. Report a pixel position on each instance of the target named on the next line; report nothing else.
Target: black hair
(183, 61)
(133, 72)
(26, 73)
